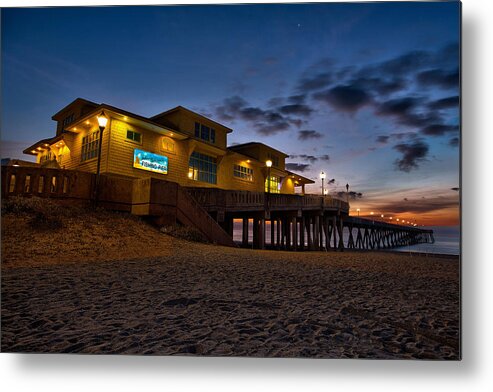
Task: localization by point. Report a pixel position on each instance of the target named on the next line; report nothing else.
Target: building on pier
(177, 145)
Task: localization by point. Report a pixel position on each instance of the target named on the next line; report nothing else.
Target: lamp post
(322, 177)
(347, 193)
(358, 210)
(102, 121)
(268, 163)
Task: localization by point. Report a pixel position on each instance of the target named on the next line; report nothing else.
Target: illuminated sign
(152, 162)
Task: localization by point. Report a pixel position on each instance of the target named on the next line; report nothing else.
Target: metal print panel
(311, 203)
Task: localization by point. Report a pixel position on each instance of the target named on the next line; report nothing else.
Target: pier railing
(219, 199)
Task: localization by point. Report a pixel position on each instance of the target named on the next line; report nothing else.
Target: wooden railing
(213, 199)
(43, 182)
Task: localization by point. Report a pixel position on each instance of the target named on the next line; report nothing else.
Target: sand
(199, 299)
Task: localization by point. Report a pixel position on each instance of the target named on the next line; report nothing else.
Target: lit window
(245, 173)
(203, 168)
(275, 184)
(133, 136)
(90, 144)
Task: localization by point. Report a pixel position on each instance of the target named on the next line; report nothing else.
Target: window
(27, 184)
(90, 144)
(68, 120)
(205, 133)
(243, 172)
(275, 184)
(274, 159)
(41, 184)
(202, 168)
(133, 136)
(49, 156)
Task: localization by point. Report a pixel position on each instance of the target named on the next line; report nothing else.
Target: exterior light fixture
(102, 121)
(268, 163)
(322, 177)
(371, 213)
(358, 210)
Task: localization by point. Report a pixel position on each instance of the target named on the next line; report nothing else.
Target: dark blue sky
(366, 92)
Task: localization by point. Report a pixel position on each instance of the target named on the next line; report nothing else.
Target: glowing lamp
(268, 163)
(322, 175)
(102, 120)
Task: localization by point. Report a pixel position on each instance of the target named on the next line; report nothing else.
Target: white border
(124, 373)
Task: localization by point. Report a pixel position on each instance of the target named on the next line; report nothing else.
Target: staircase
(171, 203)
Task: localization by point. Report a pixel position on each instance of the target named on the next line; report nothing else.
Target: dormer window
(205, 133)
(68, 120)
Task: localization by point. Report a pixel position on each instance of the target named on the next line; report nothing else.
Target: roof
(179, 107)
(77, 100)
(300, 177)
(41, 143)
(252, 144)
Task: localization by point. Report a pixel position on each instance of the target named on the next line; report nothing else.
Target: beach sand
(138, 291)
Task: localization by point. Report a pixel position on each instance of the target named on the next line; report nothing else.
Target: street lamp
(357, 210)
(322, 177)
(269, 165)
(102, 121)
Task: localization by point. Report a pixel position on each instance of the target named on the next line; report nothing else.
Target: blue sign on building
(149, 161)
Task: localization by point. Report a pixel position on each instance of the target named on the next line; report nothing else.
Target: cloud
(308, 134)
(352, 195)
(297, 109)
(297, 99)
(412, 154)
(265, 122)
(380, 85)
(382, 139)
(297, 167)
(454, 142)
(439, 77)
(420, 206)
(406, 63)
(398, 107)
(445, 103)
(347, 98)
(439, 129)
(311, 158)
(314, 82)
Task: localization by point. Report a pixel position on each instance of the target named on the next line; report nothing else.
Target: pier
(293, 222)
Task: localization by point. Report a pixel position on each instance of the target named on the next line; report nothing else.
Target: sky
(367, 93)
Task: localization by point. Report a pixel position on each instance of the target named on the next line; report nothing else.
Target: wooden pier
(294, 222)
(302, 222)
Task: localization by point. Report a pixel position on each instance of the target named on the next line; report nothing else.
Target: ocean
(447, 239)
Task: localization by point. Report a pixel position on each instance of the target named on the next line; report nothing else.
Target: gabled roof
(77, 100)
(236, 147)
(182, 108)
